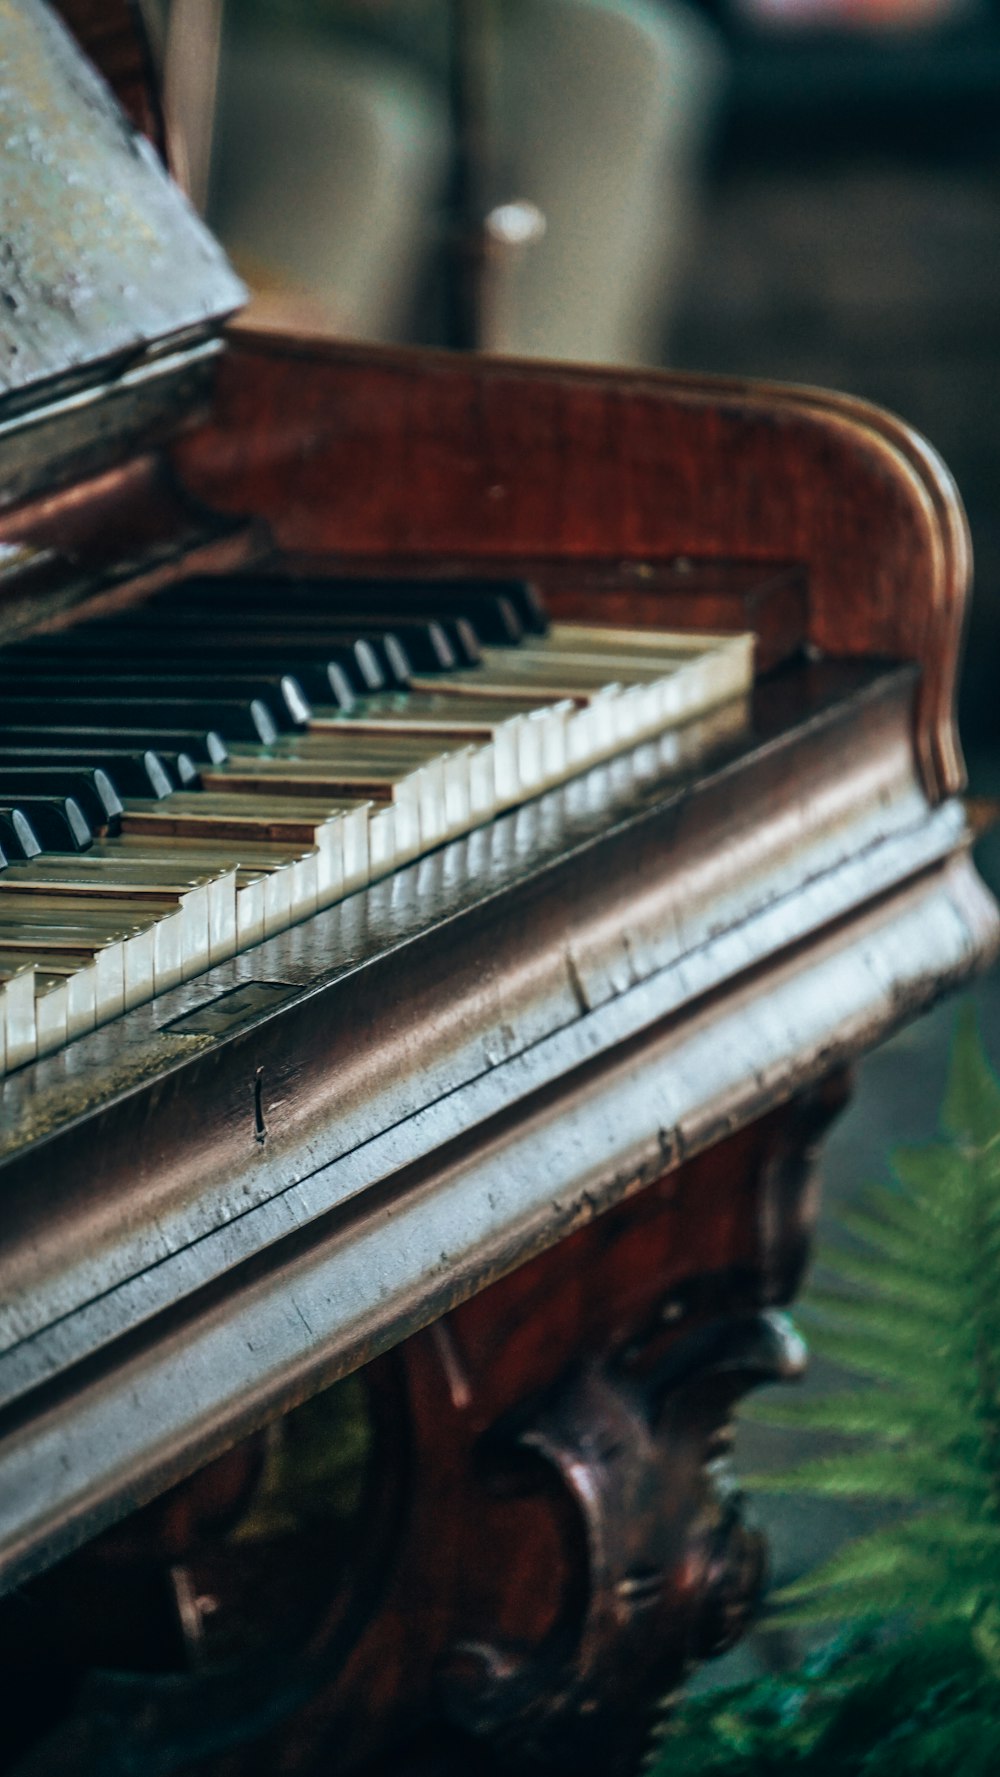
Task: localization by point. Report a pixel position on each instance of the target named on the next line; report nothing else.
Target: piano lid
(102, 259)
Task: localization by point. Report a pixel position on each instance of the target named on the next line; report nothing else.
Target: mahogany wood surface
(445, 462)
(543, 1550)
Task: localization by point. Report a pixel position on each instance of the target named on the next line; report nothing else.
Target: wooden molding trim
(360, 452)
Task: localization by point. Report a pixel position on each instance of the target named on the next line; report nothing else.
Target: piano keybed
(181, 783)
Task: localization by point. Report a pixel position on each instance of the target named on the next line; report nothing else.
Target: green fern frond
(902, 1320)
(971, 1110)
(914, 1307)
(907, 1369)
(905, 1249)
(918, 1565)
(901, 1475)
(888, 1416)
(927, 1330)
(927, 1290)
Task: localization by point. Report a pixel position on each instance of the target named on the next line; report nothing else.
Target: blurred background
(804, 190)
(798, 189)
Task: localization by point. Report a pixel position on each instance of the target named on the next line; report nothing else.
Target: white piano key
(382, 852)
(303, 890)
(635, 714)
(552, 722)
(249, 911)
(20, 1031)
(409, 838)
(81, 1001)
(138, 967)
(354, 823)
(169, 951)
(483, 798)
(222, 917)
(51, 1013)
(656, 682)
(429, 782)
(277, 902)
(506, 752)
(193, 909)
(329, 864)
(457, 800)
(109, 981)
(530, 765)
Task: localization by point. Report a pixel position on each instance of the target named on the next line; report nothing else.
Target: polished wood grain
(449, 461)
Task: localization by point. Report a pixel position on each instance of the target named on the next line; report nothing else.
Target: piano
(461, 822)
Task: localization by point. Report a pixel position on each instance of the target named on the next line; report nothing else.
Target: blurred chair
(332, 157)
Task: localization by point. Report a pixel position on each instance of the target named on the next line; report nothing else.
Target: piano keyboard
(182, 782)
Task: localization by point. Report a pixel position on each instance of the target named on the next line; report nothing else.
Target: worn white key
(51, 1007)
(20, 1032)
(382, 849)
(354, 831)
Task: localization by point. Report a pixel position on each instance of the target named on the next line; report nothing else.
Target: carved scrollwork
(665, 1570)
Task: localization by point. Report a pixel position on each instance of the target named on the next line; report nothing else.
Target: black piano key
(17, 836)
(420, 633)
(415, 621)
(522, 595)
(203, 746)
(280, 693)
(57, 822)
(143, 773)
(317, 680)
(501, 611)
(467, 596)
(91, 788)
(233, 718)
(362, 653)
(402, 648)
(425, 644)
(471, 622)
(337, 673)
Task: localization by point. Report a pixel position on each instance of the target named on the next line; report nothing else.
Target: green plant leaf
(913, 1305)
(890, 1416)
(908, 1248)
(926, 1290)
(909, 1369)
(878, 1474)
(908, 1325)
(971, 1110)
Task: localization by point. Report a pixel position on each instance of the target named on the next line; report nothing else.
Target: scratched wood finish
(434, 458)
(544, 1548)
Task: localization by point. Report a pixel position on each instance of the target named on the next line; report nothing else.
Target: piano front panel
(531, 1538)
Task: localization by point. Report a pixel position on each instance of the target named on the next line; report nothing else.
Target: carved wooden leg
(549, 1538)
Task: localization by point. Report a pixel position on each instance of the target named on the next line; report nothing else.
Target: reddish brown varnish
(441, 462)
(544, 1549)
